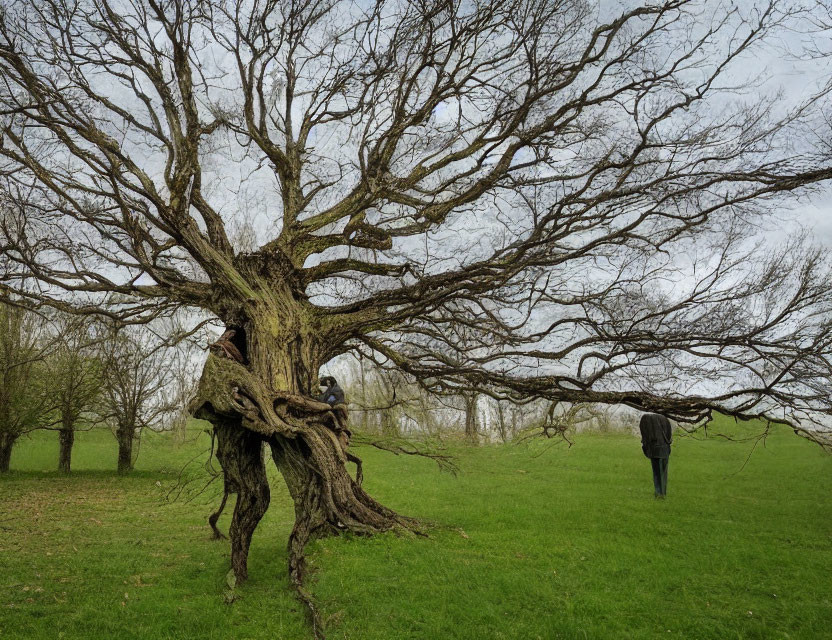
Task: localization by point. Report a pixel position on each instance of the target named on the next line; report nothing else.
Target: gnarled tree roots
(307, 440)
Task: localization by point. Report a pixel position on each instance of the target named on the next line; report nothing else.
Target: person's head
(327, 381)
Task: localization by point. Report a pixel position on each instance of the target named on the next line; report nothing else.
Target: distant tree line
(67, 374)
(390, 403)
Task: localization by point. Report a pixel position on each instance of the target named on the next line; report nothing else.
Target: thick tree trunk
(7, 441)
(66, 438)
(240, 453)
(327, 499)
(306, 443)
(124, 436)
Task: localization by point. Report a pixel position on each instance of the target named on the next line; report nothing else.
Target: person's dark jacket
(334, 394)
(656, 435)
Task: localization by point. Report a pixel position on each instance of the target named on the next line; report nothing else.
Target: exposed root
(359, 467)
(214, 517)
(240, 453)
(309, 524)
(298, 539)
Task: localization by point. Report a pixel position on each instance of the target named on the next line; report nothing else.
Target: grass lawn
(533, 541)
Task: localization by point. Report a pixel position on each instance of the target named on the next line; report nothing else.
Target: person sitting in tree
(334, 395)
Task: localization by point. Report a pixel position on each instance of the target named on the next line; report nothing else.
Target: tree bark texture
(214, 517)
(240, 453)
(124, 436)
(7, 441)
(66, 438)
(327, 499)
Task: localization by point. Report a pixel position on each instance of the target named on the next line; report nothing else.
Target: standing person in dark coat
(656, 437)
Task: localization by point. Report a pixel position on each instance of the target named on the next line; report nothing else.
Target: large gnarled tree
(571, 189)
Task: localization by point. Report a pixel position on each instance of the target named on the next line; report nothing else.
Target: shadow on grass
(82, 474)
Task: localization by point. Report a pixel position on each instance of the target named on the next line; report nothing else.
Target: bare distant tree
(183, 361)
(379, 397)
(574, 182)
(75, 379)
(471, 399)
(25, 402)
(509, 418)
(384, 401)
(134, 383)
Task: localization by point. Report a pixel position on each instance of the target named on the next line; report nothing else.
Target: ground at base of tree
(537, 541)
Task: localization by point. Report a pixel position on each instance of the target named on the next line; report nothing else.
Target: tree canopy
(571, 189)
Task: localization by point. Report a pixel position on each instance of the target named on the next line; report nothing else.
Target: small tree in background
(184, 379)
(75, 374)
(391, 404)
(184, 352)
(25, 392)
(134, 380)
(507, 417)
(471, 400)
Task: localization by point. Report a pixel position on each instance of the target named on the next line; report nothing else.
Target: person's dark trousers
(660, 475)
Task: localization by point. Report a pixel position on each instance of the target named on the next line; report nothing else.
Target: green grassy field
(532, 541)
